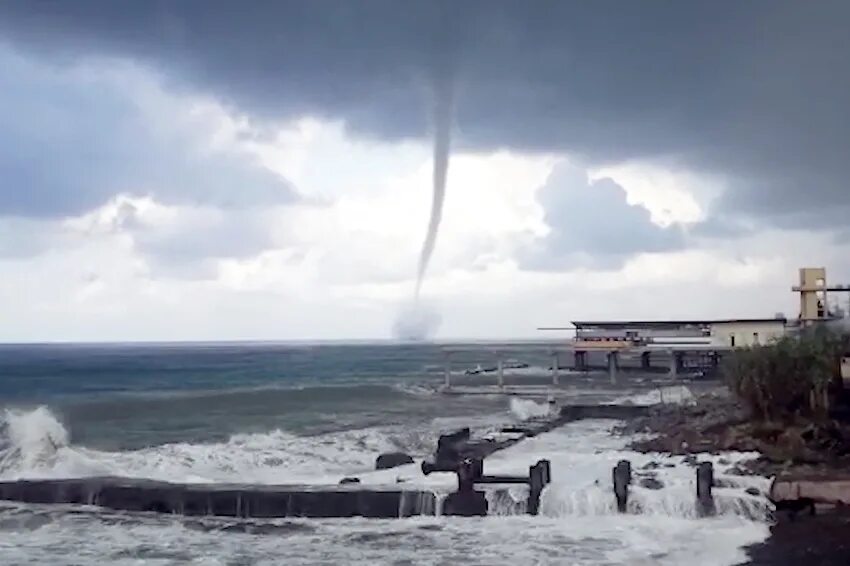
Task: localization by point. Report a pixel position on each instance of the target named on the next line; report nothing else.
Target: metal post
(501, 370)
(555, 369)
(612, 366)
(622, 475)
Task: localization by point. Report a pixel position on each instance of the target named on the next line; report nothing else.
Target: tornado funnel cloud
(442, 123)
(419, 320)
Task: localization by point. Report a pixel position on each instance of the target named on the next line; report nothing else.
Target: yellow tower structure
(812, 289)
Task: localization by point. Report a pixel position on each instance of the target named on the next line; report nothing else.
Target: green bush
(789, 379)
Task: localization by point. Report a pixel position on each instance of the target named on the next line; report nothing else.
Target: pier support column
(447, 371)
(645, 360)
(501, 372)
(674, 364)
(555, 369)
(580, 360)
(613, 365)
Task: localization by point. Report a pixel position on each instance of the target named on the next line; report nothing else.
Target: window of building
(732, 340)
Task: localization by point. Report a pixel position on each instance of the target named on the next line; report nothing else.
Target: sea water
(314, 414)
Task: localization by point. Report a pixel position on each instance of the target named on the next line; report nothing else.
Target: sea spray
(525, 409)
(30, 440)
(416, 321)
(35, 444)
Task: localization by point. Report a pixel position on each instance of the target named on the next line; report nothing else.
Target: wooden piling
(539, 476)
(705, 481)
(622, 474)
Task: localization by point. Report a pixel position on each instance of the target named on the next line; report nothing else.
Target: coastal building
(747, 332)
(815, 307)
(717, 333)
(694, 346)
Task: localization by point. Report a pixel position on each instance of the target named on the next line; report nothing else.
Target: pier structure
(610, 356)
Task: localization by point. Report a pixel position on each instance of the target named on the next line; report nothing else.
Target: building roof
(670, 323)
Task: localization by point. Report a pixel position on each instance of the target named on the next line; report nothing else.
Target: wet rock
(651, 466)
(344, 481)
(651, 483)
(392, 460)
(690, 460)
(752, 491)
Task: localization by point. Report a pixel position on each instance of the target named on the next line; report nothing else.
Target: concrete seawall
(128, 494)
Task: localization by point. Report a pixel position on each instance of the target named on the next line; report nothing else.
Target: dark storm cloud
(593, 225)
(752, 90)
(187, 246)
(71, 140)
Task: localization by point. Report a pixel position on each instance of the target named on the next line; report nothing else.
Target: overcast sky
(205, 169)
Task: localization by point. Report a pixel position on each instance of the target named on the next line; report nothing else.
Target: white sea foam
(30, 440)
(628, 540)
(582, 456)
(34, 444)
(525, 409)
(674, 395)
(578, 521)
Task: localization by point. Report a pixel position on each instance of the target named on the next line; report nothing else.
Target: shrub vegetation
(791, 379)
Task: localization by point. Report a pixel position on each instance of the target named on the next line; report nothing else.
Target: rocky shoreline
(715, 422)
(805, 530)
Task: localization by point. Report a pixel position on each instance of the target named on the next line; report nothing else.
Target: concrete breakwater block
(224, 500)
(817, 490)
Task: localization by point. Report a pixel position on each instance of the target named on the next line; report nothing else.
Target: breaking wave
(35, 444)
(30, 440)
(525, 409)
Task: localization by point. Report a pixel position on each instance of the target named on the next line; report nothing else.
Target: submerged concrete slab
(128, 494)
(818, 490)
